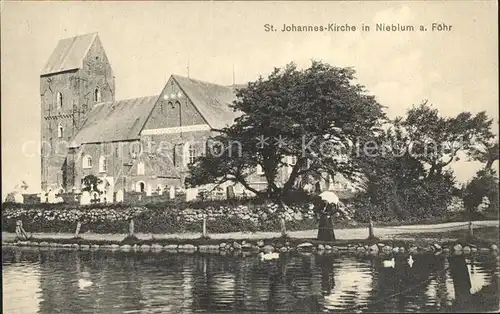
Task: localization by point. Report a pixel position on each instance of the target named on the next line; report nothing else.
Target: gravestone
(148, 190)
(191, 194)
(94, 197)
(119, 196)
(171, 193)
(51, 197)
(160, 190)
(85, 198)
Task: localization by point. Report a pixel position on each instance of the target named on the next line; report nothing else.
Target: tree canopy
(310, 116)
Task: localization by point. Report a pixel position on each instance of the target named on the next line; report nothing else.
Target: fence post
(204, 226)
(283, 227)
(131, 227)
(78, 226)
(370, 230)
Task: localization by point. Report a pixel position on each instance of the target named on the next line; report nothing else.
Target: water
(36, 281)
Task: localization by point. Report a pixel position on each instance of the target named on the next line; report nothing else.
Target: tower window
(97, 94)
(59, 131)
(102, 164)
(87, 162)
(140, 168)
(59, 100)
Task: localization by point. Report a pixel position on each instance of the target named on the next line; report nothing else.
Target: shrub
(484, 184)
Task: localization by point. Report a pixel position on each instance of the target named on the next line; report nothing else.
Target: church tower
(77, 76)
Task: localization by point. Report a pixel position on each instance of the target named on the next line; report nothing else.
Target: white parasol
(330, 197)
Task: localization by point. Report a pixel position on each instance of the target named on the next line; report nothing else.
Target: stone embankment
(279, 245)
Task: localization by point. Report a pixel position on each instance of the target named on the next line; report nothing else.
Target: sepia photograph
(250, 156)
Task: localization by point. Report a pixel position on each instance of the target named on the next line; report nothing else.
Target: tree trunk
(77, 231)
(325, 228)
(489, 164)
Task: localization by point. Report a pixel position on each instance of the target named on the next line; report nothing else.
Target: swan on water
(411, 261)
(84, 283)
(268, 256)
(390, 263)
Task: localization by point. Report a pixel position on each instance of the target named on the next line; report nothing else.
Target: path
(347, 233)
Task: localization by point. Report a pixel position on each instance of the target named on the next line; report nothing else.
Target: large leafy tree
(408, 177)
(437, 141)
(312, 115)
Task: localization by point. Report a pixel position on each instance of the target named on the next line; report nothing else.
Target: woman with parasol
(327, 205)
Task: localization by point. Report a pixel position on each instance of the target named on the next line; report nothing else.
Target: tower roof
(69, 54)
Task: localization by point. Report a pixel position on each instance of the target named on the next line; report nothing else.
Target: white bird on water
(410, 261)
(390, 263)
(84, 282)
(268, 256)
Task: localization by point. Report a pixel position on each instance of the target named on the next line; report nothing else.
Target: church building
(86, 131)
(143, 144)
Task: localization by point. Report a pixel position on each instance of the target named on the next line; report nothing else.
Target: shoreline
(266, 246)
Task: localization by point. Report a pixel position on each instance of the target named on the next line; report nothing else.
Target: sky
(146, 42)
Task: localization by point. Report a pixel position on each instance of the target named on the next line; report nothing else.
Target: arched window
(97, 94)
(102, 164)
(59, 100)
(140, 168)
(192, 154)
(139, 186)
(60, 131)
(87, 162)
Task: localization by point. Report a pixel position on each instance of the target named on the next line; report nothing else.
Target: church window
(59, 100)
(140, 168)
(192, 154)
(102, 164)
(60, 131)
(189, 154)
(97, 94)
(87, 162)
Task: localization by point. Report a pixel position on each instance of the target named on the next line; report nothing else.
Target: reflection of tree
(402, 287)
(461, 280)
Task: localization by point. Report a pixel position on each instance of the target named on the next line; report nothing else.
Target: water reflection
(104, 282)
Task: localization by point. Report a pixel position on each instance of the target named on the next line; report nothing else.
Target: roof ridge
(127, 99)
(200, 81)
(82, 35)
